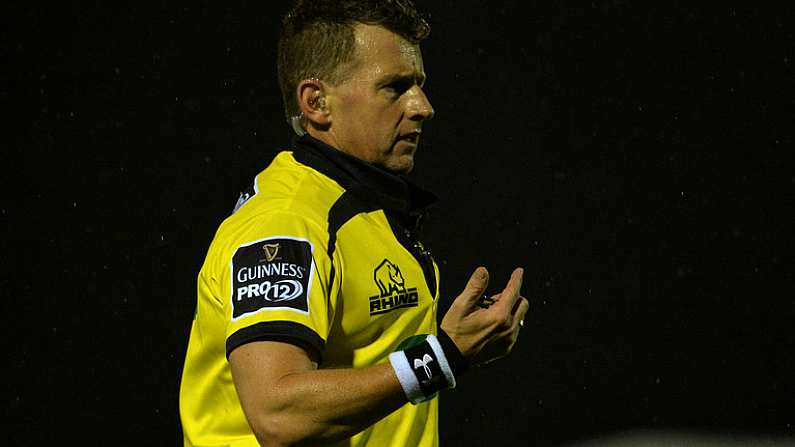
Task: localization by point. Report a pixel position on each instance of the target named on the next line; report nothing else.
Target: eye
(398, 87)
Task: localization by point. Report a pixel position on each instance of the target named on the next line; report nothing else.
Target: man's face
(378, 110)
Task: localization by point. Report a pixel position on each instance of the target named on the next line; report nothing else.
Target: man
(316, 318)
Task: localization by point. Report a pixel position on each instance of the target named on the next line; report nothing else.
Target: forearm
(317, 406)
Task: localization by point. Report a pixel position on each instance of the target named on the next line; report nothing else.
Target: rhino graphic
(388, 278)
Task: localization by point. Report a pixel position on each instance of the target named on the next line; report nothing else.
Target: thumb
(475, 286)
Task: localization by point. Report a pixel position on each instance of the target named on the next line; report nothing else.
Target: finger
(523, 305)
(510, 295)
(475, 287)
(516, 305)
(518, 319)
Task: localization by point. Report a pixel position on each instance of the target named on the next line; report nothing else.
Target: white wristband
(422, 369)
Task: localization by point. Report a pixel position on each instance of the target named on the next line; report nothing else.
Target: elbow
(268, 433)
(277, 431)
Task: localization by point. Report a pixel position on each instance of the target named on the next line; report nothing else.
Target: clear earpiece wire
(295, 123)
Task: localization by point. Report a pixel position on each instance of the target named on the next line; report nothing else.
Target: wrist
(455, 358)
(423, 367)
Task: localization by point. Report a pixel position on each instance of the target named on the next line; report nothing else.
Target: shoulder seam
(345, 208)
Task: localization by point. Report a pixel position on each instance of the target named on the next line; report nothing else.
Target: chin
(403, 165)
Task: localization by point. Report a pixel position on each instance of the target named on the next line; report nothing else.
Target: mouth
(412, 137)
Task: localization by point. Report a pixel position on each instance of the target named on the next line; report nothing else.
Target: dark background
(635, 158)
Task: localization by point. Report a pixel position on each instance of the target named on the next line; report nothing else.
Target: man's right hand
(483, 334)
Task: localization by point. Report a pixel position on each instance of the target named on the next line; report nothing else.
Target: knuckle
(506, 322)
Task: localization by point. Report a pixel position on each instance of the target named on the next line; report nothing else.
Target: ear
(312, 102)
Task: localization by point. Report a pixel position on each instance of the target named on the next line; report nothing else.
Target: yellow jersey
(322, 252)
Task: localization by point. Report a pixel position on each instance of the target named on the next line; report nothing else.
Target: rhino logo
(392, 291)
(388, 278)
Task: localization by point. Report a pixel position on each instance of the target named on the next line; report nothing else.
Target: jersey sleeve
(278, 283)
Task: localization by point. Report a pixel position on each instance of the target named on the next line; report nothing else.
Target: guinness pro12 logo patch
(271, 273)
(393, 293)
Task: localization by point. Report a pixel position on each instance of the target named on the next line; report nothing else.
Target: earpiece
(311, 101)
(295, 123)
(319, 102)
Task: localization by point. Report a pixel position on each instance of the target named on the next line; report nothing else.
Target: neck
(328, 137)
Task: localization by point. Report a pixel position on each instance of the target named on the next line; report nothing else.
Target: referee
(316, 317)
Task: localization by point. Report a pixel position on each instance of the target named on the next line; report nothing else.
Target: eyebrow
(415, 77)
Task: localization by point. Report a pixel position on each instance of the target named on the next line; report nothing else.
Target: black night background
(634, 157)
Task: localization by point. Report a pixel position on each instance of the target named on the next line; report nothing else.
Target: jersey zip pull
(424, 252)
(417, 245)
(425, 258)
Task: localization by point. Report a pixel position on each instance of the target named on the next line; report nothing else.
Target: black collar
(370, 183)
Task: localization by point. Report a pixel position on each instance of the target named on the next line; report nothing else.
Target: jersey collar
(368, 182)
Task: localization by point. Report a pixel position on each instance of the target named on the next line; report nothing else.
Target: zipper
(407, 238)
(425, 258)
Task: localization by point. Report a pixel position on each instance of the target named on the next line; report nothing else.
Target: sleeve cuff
(283, 331)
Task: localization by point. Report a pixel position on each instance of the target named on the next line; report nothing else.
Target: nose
(419, 108)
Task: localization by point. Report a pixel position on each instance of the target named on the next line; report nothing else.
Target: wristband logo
(423, 363)
(393, 293)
